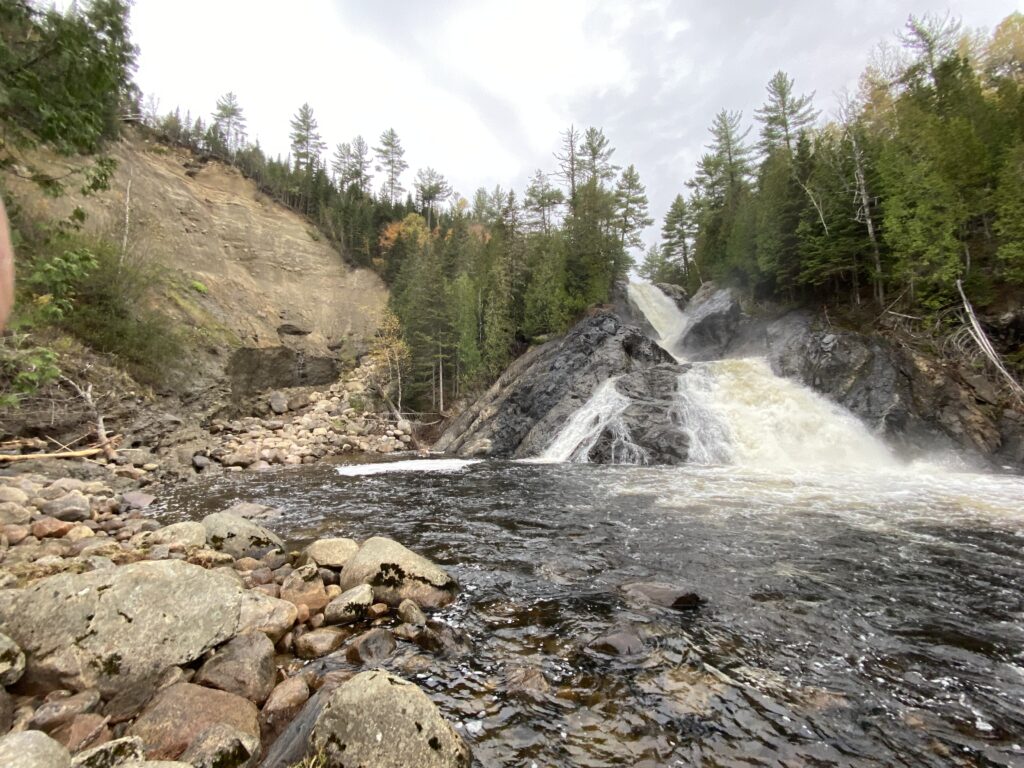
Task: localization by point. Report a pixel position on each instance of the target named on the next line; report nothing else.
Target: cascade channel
(733, 412)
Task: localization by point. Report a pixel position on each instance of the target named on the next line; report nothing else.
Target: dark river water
(851, 619)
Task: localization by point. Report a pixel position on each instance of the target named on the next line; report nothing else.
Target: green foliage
(55, 281)
(918, 184)
(199, 287)
(24, 369)
(65, 81)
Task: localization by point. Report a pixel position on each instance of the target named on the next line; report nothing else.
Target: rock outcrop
(534, 398)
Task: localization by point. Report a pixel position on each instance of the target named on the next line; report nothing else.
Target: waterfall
(739, 412)
(599, 416)
(661, 312)
(733, 412)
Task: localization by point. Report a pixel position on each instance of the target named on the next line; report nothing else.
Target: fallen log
(80, 454)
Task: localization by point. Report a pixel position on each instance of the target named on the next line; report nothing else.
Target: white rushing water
(601, 413)
(734, 412)
(408, 465)
(661, 312)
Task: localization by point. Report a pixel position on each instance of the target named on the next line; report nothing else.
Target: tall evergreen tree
(230, 122)
(307, 145)
(391, 162)
(785, 115)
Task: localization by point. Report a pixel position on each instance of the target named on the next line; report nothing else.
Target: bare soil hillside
(270, 303)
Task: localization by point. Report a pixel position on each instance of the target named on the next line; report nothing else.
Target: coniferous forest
(916, 182)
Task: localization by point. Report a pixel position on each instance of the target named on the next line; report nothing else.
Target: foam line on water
(411, 465)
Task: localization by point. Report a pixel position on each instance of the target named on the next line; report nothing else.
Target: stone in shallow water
(371, 647)
(397, 574)
(239, 537)
(665, 595)
(350, 606)
(379, 719)
(622, 642)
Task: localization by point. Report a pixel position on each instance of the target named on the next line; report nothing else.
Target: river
(855, 618)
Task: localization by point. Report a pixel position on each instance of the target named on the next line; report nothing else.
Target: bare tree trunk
(127, 216)
(865, 207)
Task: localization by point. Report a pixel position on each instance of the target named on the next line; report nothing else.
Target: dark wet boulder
(371, 647)
(379, 719)
(528, 405)
(621, 642)
(714, 316)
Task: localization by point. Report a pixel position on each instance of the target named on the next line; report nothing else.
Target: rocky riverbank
(206, 643)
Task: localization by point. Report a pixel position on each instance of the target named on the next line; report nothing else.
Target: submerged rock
(622, 642)
(665, 595)
(379, 719)
(398, 574)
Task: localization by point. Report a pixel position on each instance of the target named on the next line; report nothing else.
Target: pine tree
(351, 165)
(596, 157)
(431, 188)
(307, 145)
(230, 122)
(390, 162)
(677, 234)
(541, 201)
(631, 209)
(785, 115)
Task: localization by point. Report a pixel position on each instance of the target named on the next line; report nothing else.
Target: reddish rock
(282, 706)
(50, 527)
(87, 730)
(179, 714)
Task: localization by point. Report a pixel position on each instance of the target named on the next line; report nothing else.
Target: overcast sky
(480, 90)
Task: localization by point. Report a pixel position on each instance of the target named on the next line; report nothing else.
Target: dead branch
(978, 334)
(82, 454)
(101, 429)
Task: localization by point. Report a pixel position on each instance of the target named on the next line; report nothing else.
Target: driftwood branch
(101, 430)
(978, 334)
(82, 454)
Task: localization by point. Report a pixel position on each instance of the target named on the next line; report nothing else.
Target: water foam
(410, 465)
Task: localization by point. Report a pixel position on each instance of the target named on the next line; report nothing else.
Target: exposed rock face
(382, 720)
(534, 398)
(714, 317)
(114, 628)
(397, 574)
(916, 402)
